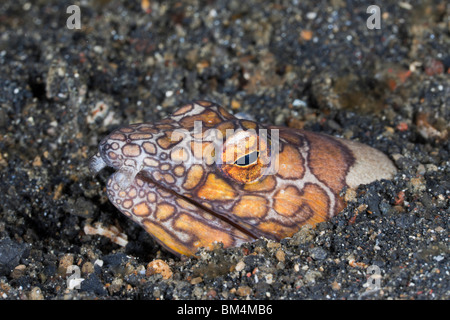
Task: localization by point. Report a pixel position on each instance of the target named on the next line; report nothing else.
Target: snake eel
(204, 176)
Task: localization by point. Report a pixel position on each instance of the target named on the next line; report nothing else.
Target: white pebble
(240, 266)
(311, 15)
(298, 103)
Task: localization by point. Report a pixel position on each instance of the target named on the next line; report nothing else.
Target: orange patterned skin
(191, 187)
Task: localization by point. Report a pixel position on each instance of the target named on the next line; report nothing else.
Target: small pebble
(280, 255)
(304, 235)
(98, 262)
(273, 245)
(36, 294)
(311, 15)
(335, 286)
(350, 195)
(317, 253)
(197, 292)
(115, 286)
(244, 291)
(211, 294)
(18, 271)
(37, 162)
(421, 169)
(64, 263)
(235, 104)
(269, 278)
(240, 266)
(196, 280)
(311, 276)
(306, 35)
(159, 266)
(418, 184)
(87, 268)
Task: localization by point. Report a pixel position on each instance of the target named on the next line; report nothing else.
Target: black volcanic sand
(306, 64)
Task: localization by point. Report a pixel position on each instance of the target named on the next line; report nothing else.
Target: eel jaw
(183, 233)
(230, 233)
(124, 175)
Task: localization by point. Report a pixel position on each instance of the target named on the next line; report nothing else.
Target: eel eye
(248, 159)
(245, 156)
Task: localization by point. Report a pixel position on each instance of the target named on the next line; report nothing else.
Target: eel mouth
(213, 213)
(198, 205)
(126, 178)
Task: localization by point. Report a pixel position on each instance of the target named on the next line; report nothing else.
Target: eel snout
(96, 163)
(124, 176)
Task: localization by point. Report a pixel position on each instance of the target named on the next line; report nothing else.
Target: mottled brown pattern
(216, 188)
(322, 149)
(251, 207)
(172, 184)
(291, 163)
(141, 136)
(183, 110)
(265, 184)
(208, 118)
(131, 150)
(193, 177)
